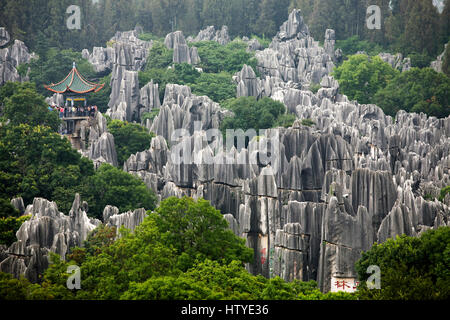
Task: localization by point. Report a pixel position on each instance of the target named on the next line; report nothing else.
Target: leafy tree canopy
(112, 186)
(411, 268)
(416, 90)
(250, 113)
(129, 139)
(22, 104)
(360, 77)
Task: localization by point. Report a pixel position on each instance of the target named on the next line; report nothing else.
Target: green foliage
(218, 87)
(160, 76)
(354, 44)
(149, 115)
(37, 162)
(208, 280)
(443, 193)
(146, 36)
(360, 77)
(101, 98)
(129, 139)
(230, 58)
(252, 114)
(159, 57)
(8, 228)
(420, 60)
(314, 88)
(218, 63)
(411, 268)
(112, 186)
(22, 104)
(308, 123)
(446, 62)
(54, 65)
(12, 288)
(285, 120)
(198, 231)
(416, 90)
(7, 209)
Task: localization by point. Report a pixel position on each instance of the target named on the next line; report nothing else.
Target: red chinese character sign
(343, 284)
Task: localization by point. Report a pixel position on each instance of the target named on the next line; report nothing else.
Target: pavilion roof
(74, 82)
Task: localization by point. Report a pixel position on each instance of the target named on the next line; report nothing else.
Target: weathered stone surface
(342, 177)
(101, 58)
(248, 84)
(129, 220)
(125, 94)
(396, 61)
(18, 204)
(10, 58)
(210, 34)
(101, 147)
(149, 98)
(181, 51)
(103, 150)
(437, 64)
(4, 37)
(294, 56)
(48, 230)
(56, 99)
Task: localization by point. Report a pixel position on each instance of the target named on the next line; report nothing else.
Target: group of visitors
(68, 112)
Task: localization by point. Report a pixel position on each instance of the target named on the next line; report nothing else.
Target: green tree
(22, 104)
(250, 113)
(444, 192)
(198, 231)
(112, 186)
(217, 86)
(416, 90)
(360, 77)
(36, 162)
(159, 57)
(411, 268)
(216, 58)
(446, 62)
(129, 139)
(101, 98)
(8, 228)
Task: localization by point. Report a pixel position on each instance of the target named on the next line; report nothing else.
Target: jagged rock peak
(211, 34)
(437, 64)
(47, 230)
(293, 27)
(4, 37)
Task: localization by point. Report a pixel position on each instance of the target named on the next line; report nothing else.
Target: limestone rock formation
(100, 58)
(294, 56)
(18, 204)
(211, 34)
(100, 146)
(125, 94)
(149, 98)
(48, 230)
(396, 61)
(4, 37)
(129, 220)
(247, 83)
(10, 58)
(437, 64)
(352, 177)
(181, 52)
